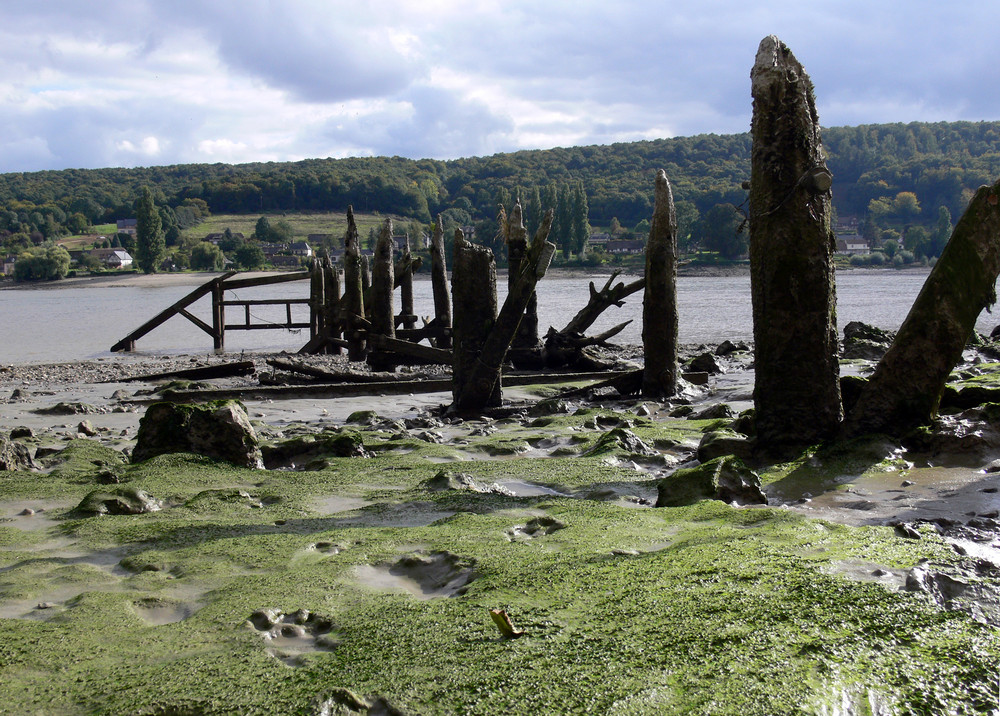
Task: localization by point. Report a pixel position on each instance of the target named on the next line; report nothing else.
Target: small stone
(907, 483)
(21, 432)
(45, 605)
(85, 427)
(26, 512)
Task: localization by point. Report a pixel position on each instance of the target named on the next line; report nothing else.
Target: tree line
(876, 167)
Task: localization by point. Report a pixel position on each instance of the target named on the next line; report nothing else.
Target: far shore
(188, 278)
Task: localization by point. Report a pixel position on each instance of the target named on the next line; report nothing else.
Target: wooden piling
(353, 305)
(659, 303)
(905, 390)
(474, 285)
(406, 287)
(797, 389)
(439, 284)
(383, 317)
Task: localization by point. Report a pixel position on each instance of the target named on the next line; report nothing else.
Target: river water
(76, 323)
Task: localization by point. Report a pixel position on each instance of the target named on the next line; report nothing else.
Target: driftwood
(329, 376)
(225, 370)
(568, 349)
(602, 300)
(796, 388)
(439, 284)
(659, 304)
(409, 352)
(479, 386)
(906, 388)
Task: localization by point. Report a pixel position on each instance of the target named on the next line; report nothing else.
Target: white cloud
(137, 81)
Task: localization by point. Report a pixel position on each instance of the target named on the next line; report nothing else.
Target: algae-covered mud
(358, 571)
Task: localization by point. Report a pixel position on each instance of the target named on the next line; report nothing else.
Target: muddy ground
(363, 584)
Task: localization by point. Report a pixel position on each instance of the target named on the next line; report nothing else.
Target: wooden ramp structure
(217, 288)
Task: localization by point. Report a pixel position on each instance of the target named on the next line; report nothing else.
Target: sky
(109, 83)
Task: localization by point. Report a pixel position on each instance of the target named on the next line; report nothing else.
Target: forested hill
(940, 163)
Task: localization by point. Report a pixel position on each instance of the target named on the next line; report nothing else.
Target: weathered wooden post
(406, 286)
(331, 308)
(796, 390)
(526, 349)
(439, 284)
(659, 304)
(476, 389)
(366, 277)
(317, 299)
(218, 315)
(353, 310)
(906, 388)
(474, 282)
(383, 317)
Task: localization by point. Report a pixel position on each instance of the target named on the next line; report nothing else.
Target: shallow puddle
(425, 576)
(29, 515)
(919, 493)
(334, 504)
(522, 488)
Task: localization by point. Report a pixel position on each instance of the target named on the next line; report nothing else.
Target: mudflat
(364, 583)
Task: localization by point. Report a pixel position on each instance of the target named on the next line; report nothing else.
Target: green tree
(941, 234)
(580, 227)
(262, 231)
(249, 257)
(42, 263)
(206, 256)
(721, 231)
(149, 242)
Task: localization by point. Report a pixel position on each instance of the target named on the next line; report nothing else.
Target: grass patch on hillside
(312, 223)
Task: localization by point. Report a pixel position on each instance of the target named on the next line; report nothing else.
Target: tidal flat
(364, 584)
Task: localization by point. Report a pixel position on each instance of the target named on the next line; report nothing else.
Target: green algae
(697, 609)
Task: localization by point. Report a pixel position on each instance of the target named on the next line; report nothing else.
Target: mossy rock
(620, 440)
(124, 501)
(220, 430)
(725, 478)
(724, 442)
(362, 417)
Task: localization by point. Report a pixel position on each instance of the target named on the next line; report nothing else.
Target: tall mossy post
(474, 283)
(354, 295)
(526, 348)
(906, 388)
(796, 390)
(439, 284)
(659, 303)
(383, 317)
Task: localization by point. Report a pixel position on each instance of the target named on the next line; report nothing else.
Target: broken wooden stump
(525, 351)
(474, 284)
(479, 385)
(224, 370)
(439, 284)
(331, 309)
(659, 303)
(906, 388)
(796, 390)
(383, 317)
(409, 320)
(353, 304)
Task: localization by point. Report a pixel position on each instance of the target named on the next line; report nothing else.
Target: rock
(724, 478)
(850, 390)
(727, 347)
(68, 409)
(705, 363)
(362, 417)
(724, 442)
(219, 430)
(86, 428)
(21, 432)
(303, 450)
(15, 456)
(621, 439)
(125, 501)
(447, 480)
(719, 411)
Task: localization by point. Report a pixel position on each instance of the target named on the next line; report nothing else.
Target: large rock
(122, 501)
(14, 455)
(865, 342)
(725, 478)
(219, 430)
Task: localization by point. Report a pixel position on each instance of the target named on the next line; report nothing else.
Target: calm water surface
(66, 324)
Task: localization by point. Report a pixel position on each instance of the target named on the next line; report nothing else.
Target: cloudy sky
(153, 82)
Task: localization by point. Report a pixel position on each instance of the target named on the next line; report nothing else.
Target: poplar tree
(149, 242)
